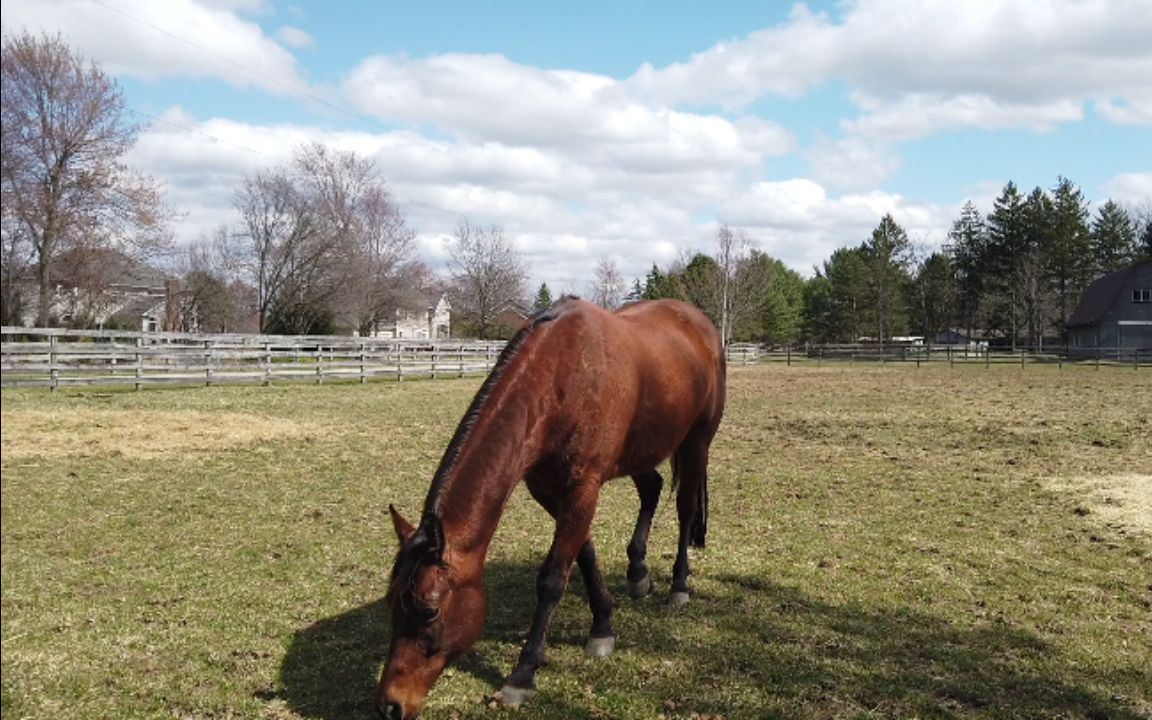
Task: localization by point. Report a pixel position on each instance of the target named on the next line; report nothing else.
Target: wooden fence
(951, 354)
(56, 358)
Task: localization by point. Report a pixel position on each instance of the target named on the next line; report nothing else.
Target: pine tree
(1113, 238)
(968, 248)
(1006, 245)
(543, 298)
(1070, 259)
(886, 256)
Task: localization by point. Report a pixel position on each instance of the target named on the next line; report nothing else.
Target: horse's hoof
(640, 588)
(678, 599)
(600, 646)
(512, 696)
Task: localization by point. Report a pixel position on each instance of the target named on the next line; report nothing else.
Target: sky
(633, 131)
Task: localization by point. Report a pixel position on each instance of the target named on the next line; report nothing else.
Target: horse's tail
(698, 531)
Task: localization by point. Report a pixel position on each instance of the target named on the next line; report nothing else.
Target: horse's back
(654, 369)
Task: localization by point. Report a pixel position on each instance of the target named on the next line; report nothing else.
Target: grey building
(1115, 312)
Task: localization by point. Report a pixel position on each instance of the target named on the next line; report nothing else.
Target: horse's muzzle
(391, 711)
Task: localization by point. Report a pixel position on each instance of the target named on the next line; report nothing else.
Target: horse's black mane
(463, 430)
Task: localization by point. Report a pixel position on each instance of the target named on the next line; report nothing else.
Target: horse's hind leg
(692, 508)
(648, 486)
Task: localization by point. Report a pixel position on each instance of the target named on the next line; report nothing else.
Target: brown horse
(578, 397)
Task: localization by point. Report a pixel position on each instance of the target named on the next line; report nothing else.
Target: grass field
(885, 542)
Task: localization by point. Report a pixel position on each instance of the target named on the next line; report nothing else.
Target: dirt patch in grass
(1123, 500)
(137, 433)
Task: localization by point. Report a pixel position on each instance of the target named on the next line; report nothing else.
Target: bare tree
(65, 132)
(743, 283)
(488, 276)
(326, 245)
(608, 286)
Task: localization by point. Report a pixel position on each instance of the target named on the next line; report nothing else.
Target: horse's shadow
(806, 651)
(332, 666)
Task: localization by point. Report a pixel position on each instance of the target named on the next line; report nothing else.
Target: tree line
(319, 245)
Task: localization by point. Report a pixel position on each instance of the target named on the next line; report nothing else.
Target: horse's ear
(434, 531)
(403, 528)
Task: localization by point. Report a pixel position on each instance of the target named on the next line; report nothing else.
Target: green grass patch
(885, 542)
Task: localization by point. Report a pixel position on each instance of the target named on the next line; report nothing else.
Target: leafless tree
(608, 287)
(743, 284)
(65, 132)
(488, 276)
(326, 244)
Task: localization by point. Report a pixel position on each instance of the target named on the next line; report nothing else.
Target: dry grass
(1121, 501)
(885, 542)
(143, 434)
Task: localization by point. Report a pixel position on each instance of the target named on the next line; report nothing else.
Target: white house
(434, 322)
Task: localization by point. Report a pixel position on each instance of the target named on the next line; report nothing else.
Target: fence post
(399, 362)
(139, 362)
(208, 363)
(319, 364)
(363, 369)
(53, 370)
(267, 364)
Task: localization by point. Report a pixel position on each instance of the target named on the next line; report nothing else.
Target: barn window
(1142, 295)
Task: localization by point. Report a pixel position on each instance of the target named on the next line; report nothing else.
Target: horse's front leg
(571, 536)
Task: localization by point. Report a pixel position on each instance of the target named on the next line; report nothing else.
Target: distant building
(102, 288)
(1115, 311)
(433, 322)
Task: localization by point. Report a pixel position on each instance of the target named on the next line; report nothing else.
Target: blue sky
(632, 130)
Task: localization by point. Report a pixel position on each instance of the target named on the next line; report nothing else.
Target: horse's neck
(489, 465)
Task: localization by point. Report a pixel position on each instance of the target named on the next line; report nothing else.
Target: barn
(1115, 312)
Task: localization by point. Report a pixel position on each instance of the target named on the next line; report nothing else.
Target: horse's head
(437, 614)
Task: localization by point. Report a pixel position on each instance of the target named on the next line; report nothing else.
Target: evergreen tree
(543, 298)
(886, 256)
(968, 248)
(932, 296)
(1113, 238)
(836, 302)
(1144, 246)
(1032, 269)
(1070, 256)
(1006, 245)
(781, 310)
(658, 285)
(636, 293)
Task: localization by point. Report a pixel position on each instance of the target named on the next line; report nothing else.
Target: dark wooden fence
(951, 354)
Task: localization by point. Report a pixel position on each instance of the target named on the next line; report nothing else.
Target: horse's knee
(550, 585)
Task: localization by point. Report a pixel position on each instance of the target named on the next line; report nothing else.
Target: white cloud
(488, 98)
(1008, 63)
(798, 222)
(1133, 189)
(294, 37)
(151, 40)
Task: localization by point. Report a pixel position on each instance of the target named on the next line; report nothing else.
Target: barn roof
(1100, 295)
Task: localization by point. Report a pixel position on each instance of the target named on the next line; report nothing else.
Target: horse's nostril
(392, 711)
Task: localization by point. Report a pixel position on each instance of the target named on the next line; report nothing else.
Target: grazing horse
(578, 397)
